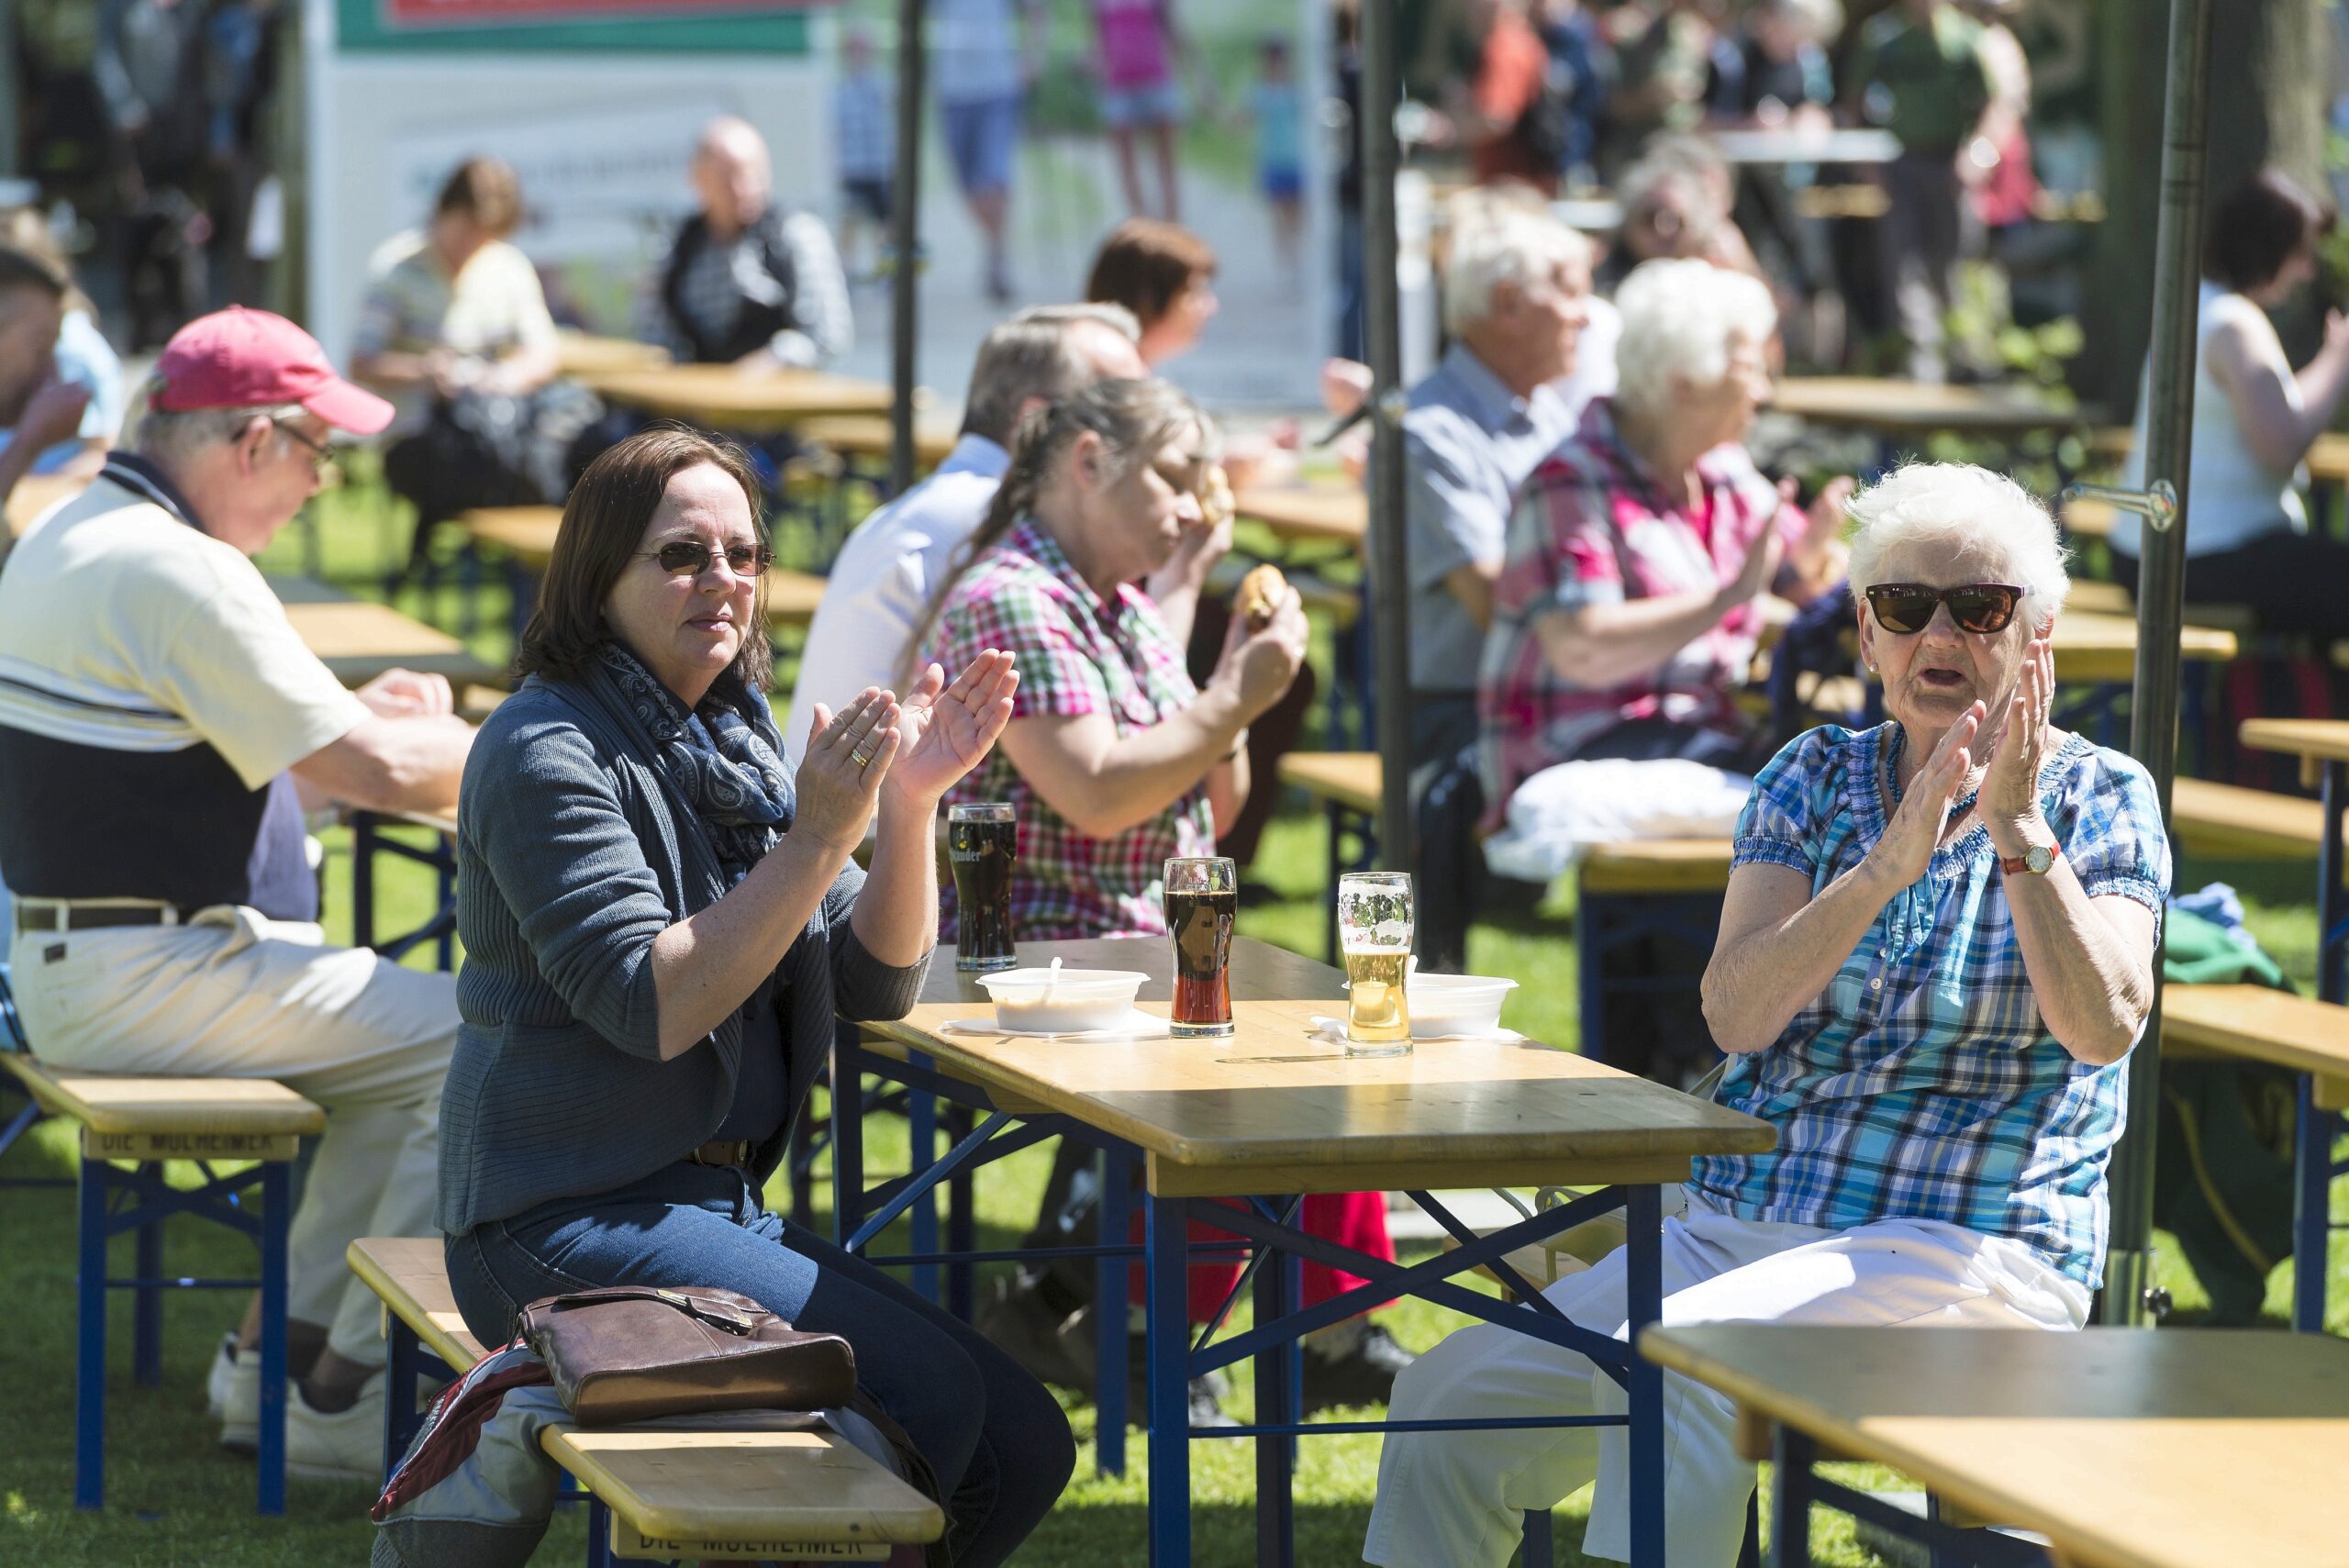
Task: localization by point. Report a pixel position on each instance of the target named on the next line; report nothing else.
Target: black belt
(92, 917)
(722, 1153)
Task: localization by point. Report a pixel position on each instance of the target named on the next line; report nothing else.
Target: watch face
(2038, 858)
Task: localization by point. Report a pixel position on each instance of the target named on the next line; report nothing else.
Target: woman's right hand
(1906, 851)
(837, 792)
(1261, 664)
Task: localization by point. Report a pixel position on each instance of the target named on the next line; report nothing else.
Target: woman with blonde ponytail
(1114, 759)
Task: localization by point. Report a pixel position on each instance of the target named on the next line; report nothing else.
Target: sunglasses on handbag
(691, 558)
(1904, 608)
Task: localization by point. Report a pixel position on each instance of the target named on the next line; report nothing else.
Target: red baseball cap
(242, 358)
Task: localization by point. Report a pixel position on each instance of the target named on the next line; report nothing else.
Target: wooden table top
(868, 435)
(359, 638)
(410, 1275)
(1273, 1110)
(526, 533)
(1909, 407)
(727, 399)
(1338, 514)
(36, 493)
(2319, 740)
(2328, 459)
(2093, 648)
(2129, 1448)
(584, 353)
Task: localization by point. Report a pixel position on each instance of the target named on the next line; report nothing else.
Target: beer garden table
(721, 397)
(1261, 1117)
(2126, 1448)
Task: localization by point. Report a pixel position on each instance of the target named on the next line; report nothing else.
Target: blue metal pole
(1275, 1456)
(1790, 1500)
(147, 1295)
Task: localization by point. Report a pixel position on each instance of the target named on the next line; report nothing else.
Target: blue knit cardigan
(572, 855)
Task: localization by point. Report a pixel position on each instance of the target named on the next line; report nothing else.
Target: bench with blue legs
(732, 1486)
(242, 1134)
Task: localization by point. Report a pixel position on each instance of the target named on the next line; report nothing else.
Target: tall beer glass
(981, 842)
(1202, 900)
(1375, 933)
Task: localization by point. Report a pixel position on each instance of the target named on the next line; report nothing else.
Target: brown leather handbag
(634, 1352)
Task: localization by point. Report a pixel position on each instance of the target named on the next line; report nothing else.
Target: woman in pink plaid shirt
(1115, 760)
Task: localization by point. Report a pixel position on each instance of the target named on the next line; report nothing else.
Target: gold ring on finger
(861, 757)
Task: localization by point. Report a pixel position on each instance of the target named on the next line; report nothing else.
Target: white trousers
(234, 994)
(1458, 1500)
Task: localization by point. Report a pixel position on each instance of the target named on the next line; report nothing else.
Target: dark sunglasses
(691, 558)
(1904, 608)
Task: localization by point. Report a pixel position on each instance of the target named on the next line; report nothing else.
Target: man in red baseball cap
(161, 728)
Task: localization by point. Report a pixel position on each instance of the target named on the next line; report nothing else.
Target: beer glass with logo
(1375, 933)
(981, 842)
(1202, 900)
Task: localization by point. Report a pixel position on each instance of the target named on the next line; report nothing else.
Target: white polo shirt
(883, 579)
(152, 695)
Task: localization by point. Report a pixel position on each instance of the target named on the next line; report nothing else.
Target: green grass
(175, 1499)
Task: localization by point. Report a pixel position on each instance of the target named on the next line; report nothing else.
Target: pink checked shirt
(1592, 528)
(1076, 655)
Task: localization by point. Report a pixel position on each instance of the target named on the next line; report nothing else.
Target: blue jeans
(999, 1443)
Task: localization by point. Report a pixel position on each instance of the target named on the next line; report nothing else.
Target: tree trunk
(2268, 78)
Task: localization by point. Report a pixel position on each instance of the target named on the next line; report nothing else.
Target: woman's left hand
(948, 729)
(2010, 787)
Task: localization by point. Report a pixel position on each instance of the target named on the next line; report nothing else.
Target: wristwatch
(2038, 859)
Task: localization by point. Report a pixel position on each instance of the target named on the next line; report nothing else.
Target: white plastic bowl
(1456, 1003)
(1040, 1001)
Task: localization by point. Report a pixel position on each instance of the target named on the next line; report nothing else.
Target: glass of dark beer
(1202, 900)
(981, 842)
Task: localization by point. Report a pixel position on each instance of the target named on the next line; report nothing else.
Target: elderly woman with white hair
(1624, 618)
(1935, 956)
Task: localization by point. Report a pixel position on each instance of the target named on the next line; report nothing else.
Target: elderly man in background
(1515, 297)
(746, 282)
(162, 726)
(885, 574)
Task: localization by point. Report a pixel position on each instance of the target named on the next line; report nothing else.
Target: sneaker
(343, 1445)
(234, 1391)
(1363, 1375)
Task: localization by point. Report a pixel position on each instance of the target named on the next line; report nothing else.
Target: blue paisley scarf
(726, 769)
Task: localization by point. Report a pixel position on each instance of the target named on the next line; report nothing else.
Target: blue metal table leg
(1275, 1456)
(1113, 1296)
(962, 1224)
(147, 1295)
(921, 1132)
(2331, 898)
(400, 1381)
(1790, 1500)
(89, 1339)
(1643, 1212)
(1337, 816)
(1166, 1225)
(2312, 1207)
(277, 1212)
(1541, 1549)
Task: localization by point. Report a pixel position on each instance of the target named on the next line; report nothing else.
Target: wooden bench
(730, 1484)
(146, 1121)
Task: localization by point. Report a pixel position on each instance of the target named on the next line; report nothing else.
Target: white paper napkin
(1334, 1032)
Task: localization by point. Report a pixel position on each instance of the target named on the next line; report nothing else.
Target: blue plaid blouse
(1922, 1083)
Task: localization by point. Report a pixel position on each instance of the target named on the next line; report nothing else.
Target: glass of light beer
(1375, 933)
(981, 842)
(1202, 900)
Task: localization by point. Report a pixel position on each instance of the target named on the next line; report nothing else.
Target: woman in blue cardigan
(660, 924)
